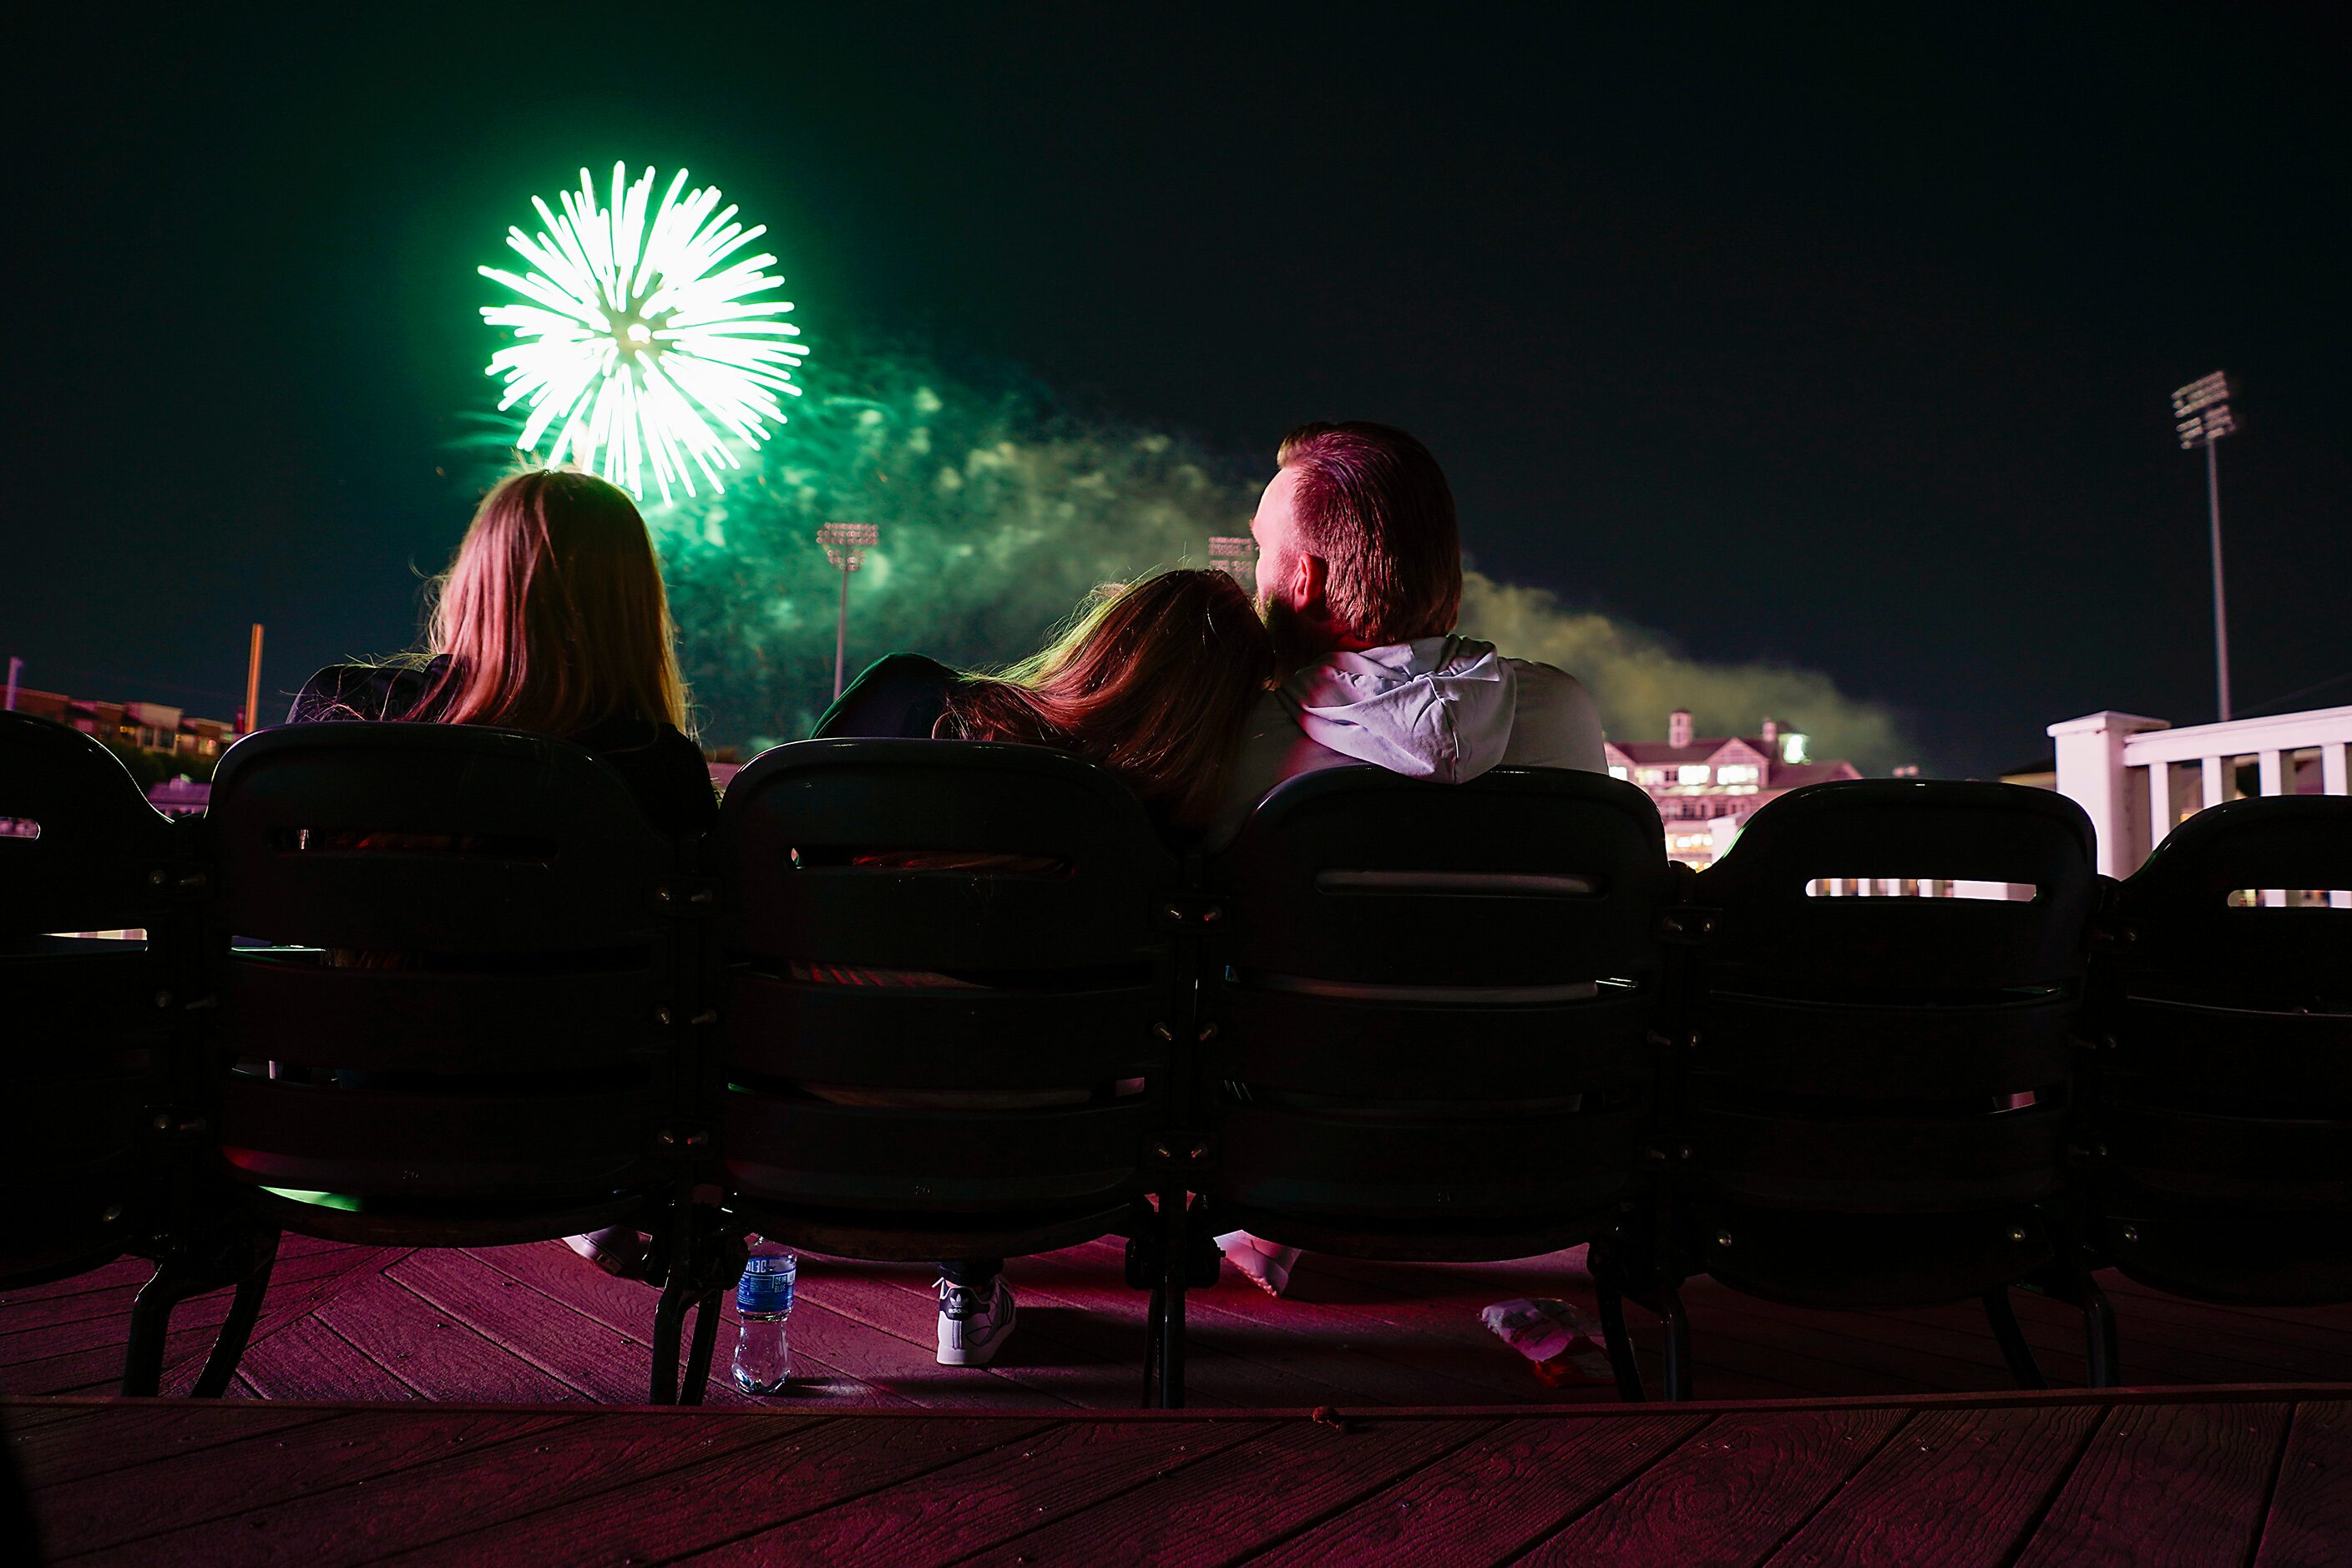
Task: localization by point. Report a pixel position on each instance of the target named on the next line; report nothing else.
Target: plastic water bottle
(763, 1298)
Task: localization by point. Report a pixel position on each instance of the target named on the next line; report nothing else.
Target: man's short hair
(1373, 503)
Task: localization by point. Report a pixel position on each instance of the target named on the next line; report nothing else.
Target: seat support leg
(2100, 1344)
(698, 1350)
(242, 1259)
(1674, 1324)
(236, 1329)
(669, 1323)
(2012, 1340)
(1155, 1342)
(1619, 1342)
(1160, 1258)
(702, 1270)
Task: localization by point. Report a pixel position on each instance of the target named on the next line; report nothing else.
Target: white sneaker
(971, 1330)
(1265, 1264)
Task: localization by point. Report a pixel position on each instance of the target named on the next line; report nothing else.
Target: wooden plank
(2176, 1342)
(2320, 1353)
(1490, 1499)
(2310, 1517)
(121, 1271)
(97, 1368)
(188, 1492)
(1728, 1493)
(439, 1358)
(306, 1281)
(2336, 1317)
(1441, 1299)
(1079, 1359)
(2165, 1484)
(87, 1354)
(2195, 1342)
(627, 1307)
(421, 1505)
(67, 1451)
(307, 1360)
(899, 1369)
(1079, 1338)
(1953, 1487)
(18, 1416)
(291, 1279)
(1011, 1487)
(905, 1367)
(707, 1504)
(1256, 1493)
(596, 1361)
(109, 1331)
(1344, 1355)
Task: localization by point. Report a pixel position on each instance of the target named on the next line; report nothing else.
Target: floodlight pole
(2201, 416)
(845, 545)
(841, 627)
(2220, 602)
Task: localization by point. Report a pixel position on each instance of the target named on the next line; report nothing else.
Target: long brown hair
(1155, 682)
(553, 612)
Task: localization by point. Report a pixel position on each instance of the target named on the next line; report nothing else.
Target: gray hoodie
(1435, 707)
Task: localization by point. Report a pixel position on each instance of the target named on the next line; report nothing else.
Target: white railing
(2139, 778)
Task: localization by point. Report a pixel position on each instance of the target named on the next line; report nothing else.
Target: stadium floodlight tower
(845, 545)
(2201, 416)
(1237, 558)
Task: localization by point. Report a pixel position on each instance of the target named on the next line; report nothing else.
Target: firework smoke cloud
(999, 513)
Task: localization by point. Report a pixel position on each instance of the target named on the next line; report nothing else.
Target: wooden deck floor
(535, 1325)
(2260, 1476)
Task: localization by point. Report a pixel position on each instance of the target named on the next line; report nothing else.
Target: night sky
(1841, 344)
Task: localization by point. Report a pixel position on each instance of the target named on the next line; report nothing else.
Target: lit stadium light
(2200, 412)
(1237, 558)
(845, 545)
(2201, 416)
(636, 339)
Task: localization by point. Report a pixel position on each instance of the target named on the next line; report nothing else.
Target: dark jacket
(902, 695)
(662, 768)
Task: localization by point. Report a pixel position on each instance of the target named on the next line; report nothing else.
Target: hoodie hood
(1437, 708)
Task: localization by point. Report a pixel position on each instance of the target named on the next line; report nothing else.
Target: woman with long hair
(551, 618)
(1155, 682)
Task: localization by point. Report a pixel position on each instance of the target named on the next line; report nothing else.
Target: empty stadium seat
(1873, 1091)
(2221, 1129)
(101, 1133)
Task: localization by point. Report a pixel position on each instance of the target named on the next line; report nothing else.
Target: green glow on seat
(343, 1201)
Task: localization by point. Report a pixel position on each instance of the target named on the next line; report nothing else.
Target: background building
(1706, 787)
(169, 751)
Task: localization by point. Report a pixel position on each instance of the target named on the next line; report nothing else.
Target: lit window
(1792, 749)
(1652, 776)
(1735, 773)
(1616, 773)
(1691, 773)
